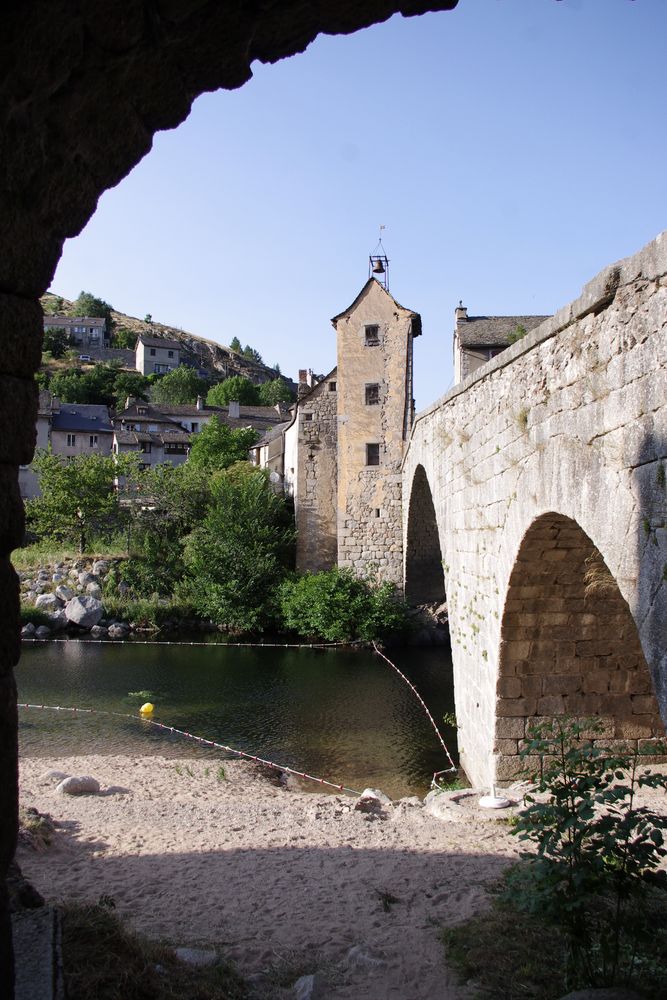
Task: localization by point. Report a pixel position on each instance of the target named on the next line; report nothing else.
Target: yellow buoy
(147, 709)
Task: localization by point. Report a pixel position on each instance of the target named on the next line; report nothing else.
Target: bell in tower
(378, 264)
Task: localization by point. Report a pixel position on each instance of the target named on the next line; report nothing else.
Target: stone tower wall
(315, 495)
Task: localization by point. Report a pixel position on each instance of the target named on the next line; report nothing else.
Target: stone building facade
(340, 455)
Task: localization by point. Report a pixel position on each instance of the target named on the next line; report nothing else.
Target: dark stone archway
(569, 647)
(83, 89)
(424, 575)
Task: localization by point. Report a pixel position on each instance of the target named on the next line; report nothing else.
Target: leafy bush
(338, 606)
(236, 388)
(598, 855)
(239, 554)
(218, 446)
(35, 616)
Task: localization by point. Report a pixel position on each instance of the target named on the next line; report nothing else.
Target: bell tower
(375, 412)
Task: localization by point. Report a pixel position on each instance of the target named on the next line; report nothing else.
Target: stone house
(84, 331)
(340, 454)
(156, 355)
(477, 339)
(69, 429)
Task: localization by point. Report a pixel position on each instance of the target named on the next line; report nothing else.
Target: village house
(83, 331)
(477, 339)
(156, 355)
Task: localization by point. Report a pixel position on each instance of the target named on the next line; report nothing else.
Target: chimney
(303, 376)
(200, 402)
(461, 311)
(234, 409)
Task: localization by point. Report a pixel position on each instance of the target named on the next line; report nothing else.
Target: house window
(332, 386)
(194, 426)
(152, 428)
(71, 440)
(93, 440)
(307, 416)
(152, 352)
(142, 411)
(372, 335)
(146, 447)
(372, 396)
(174, 449)
(372, 454)
(377, 511)
(170, 354)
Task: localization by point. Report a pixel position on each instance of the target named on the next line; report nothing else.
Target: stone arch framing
(569, 646)
(424, 575)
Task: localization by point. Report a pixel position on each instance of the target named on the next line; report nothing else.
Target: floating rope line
(421, 701)
(210, 645)
(197, 739)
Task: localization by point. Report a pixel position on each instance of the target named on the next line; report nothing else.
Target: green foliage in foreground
(238, 555)
(598, 856)
(337, 606)
(102, 959)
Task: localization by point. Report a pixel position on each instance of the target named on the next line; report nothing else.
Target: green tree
(181, 386)
(276, 391)
(237, 557)
(236, 345)
(88, 305)
(96, 385)
(129, 384)
(124, 339)
(148, 318)
(78, 496)
(251, 354)
(235, 388)
(338, 606)
(218, 446)
(56, 341)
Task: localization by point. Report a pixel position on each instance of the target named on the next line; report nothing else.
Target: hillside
(219, 361)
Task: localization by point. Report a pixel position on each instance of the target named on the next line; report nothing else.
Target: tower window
(372, 395)
(372, 335)
(307, 416)
(332, 386)
(372, 454)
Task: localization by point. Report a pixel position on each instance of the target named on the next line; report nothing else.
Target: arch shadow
(424, 574)
(569, 647)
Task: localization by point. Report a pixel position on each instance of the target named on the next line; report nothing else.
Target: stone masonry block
(21, 333)
(642, 704)
(508, 748)
(510, 728)
(508, 707)
(509, 687)
(562, 684)
(638, 727)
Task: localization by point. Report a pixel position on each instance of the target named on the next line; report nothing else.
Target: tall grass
(48, 551)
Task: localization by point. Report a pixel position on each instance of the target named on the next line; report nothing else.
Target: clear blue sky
(512, 148)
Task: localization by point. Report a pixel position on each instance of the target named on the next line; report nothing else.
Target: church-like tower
(375, 410)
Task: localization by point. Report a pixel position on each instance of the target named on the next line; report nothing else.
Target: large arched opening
(424, 575)
(569, 647)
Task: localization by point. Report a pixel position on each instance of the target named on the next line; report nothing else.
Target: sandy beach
(268, 874)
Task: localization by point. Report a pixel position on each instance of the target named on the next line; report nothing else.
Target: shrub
(598, 854)
(338, 606)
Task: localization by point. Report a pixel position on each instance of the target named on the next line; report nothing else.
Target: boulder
(64, 593)
(100, 567)
(196, 956)
(118, 631)
(28, 631)
(309, 987)
(58, 620)
(86, 578)
(98, 632)
(48, 602)
(84, 611)
(43, 575)
(78, 785)
(57, 578)
(372, 800)
(42, 632)
(94, 590)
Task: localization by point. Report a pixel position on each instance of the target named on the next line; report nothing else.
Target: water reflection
(337, 714)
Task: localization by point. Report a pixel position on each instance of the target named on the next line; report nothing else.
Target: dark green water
(336, 714)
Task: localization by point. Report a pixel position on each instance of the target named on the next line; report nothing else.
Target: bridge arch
(569, 646)
(424, 574)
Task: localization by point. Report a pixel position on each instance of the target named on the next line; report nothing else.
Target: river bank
(267, 874)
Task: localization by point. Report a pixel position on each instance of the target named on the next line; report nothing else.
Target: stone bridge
(535, 499)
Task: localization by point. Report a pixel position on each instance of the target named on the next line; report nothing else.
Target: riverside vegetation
(208, 542)
(586, 907)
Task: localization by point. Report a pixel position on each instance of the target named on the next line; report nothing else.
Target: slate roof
(171, 345)
(82, 417)
(492, 331)
(144, 437)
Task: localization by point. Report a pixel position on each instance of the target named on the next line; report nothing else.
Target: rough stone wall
(570, 422)
(83, 90)
(315, 497)
(370, 497)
